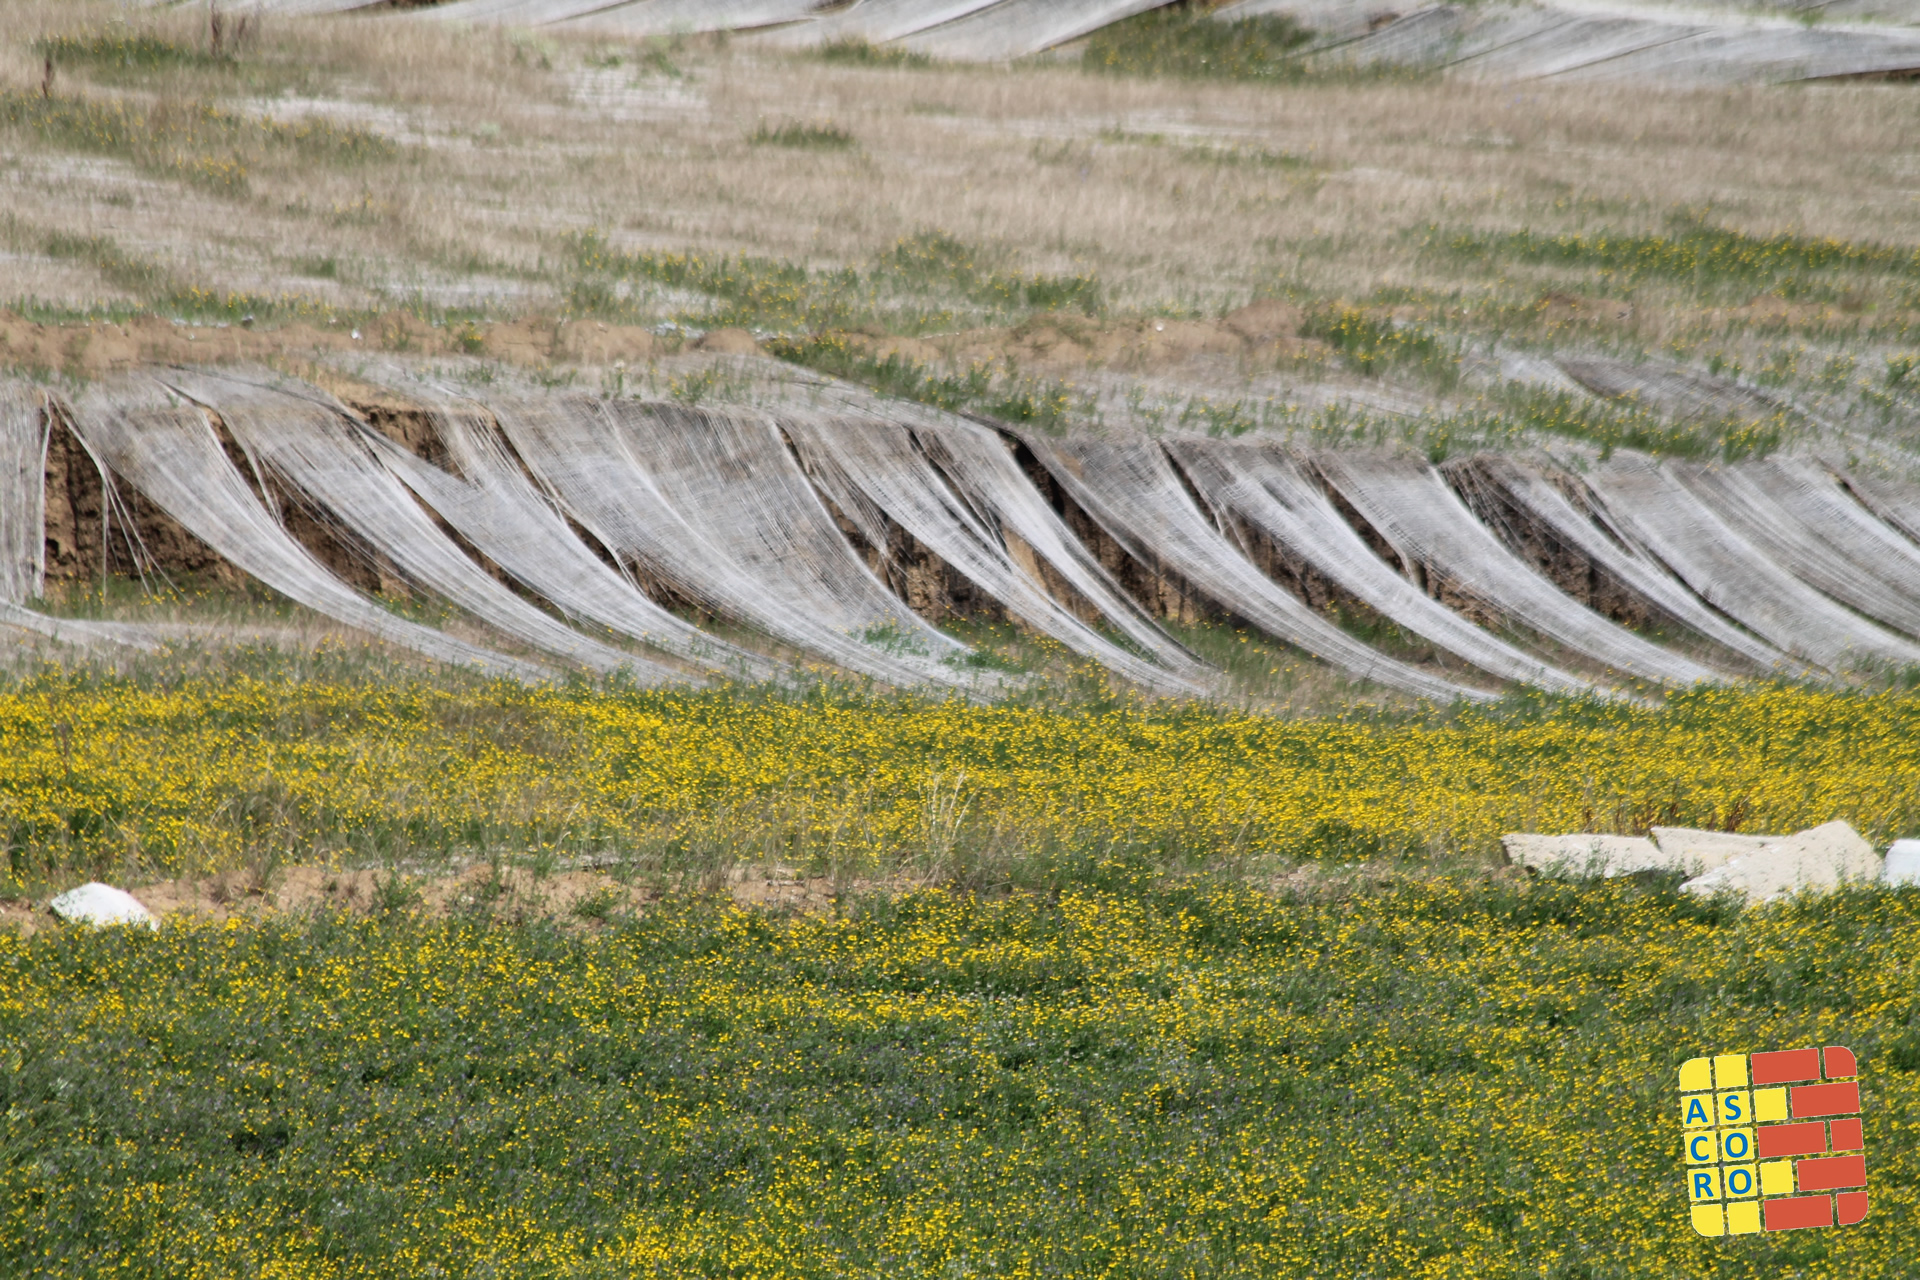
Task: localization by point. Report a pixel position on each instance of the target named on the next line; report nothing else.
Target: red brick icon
(1795, 1212)
(1824, 1100)
(1788, 1067)
(1773, 1141)
(1846, 1135)
(1832, 1173)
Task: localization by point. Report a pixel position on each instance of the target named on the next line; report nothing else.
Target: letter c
(1693, 1148)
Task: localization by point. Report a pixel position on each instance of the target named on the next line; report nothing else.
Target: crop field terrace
(540, 894)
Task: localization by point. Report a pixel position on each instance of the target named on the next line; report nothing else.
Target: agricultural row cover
(1572, 39)
(679, 544)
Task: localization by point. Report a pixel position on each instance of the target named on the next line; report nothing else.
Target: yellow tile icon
(1736, 1144)
(1776, 1178)
(1769, 1105)
(1696, 1075)
(1739, 1182)
(1708, 1221)
(1730, 1071)
(1702, 1147)
(1743, 1218)
(1697, 1112)
(1734, 1107)
(1703, 1184)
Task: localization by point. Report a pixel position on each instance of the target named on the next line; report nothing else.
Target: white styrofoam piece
(101, 904)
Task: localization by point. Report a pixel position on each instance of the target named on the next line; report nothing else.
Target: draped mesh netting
(1269, 491)
(1898, 505)
(317, 451)
(1427, 523)
(669, 17)
(24, 425)
(163, 445)
(1135, 495)
(877, 471)
(981, 467)
(877, 21)
(613, 473)
(1804, 521)
(1016, 28)
(1584, 531)
(496, 508)
(1731, 574)
(23, 493)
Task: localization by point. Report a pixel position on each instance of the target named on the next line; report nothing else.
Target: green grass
(197, 142)
(1181, 42)
(1516, 412)
(925, 282)
(861, 53)
(1372, 346)
(815, 136)
(996, 392)
(160, 290)
(127, 51)
(1126, 1075)
(1694, 254)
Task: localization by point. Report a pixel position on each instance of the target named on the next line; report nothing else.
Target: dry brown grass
(1183, 198)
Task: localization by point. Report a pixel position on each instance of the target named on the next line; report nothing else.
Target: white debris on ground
(1578, 856)
(1821, 858)
(1902, 865)
(100, 905)
(1759, 867)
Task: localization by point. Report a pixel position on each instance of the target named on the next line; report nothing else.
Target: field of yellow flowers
(1138, 1064)
(200, 773)
(1145, 1075)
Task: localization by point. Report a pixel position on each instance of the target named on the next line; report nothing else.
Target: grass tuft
(1188, 44)
(128, 51)
(1699, 255)
(816, 136)
(861, 53)
(198, 142)
(1372, 346)
(995, 392)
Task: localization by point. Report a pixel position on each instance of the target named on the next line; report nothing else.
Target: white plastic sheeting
(1135, 495)
(78, 632)
(1898, 505)
(164, 446)
(1269, 491)
(869, 464)
(877, 21)
(519, 13)
(496, 508)
(1813, 529)
(1426, 522)
(982, 468)
(1016, 28)
(1627, 42)
(317, 450)
(23, 493)
(665, 525)
(667, 17)
(1615, 553)
(1729, 573)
